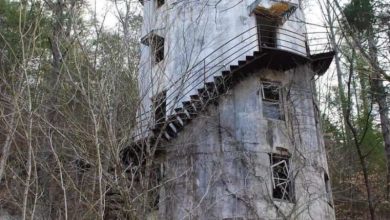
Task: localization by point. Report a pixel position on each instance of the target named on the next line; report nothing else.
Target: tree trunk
(362, 157)
(379, 95)
(7, 144)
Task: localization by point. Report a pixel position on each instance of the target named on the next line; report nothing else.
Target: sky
(107, 11)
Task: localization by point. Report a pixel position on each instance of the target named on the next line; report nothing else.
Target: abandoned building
(228, 91)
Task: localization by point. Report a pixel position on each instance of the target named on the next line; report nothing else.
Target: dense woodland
(68, 101)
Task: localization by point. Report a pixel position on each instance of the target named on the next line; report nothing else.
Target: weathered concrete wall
(219, 166)
(194, 30)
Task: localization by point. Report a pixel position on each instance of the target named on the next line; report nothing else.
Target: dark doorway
(266, 25)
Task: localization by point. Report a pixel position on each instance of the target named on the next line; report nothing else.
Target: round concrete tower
(228, 94)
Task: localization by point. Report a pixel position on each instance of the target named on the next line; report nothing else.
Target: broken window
(272, 100)
(160, 3)
(328, 190)
(159, 106)
(282, 187)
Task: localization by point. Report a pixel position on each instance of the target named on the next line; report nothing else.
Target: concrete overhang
(320, 62)
(283, 60)
(274, 9)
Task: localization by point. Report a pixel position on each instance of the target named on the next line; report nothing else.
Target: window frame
(270, 102)
(284, 159)
(267, 28)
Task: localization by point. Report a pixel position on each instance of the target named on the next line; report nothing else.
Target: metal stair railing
(209, 66)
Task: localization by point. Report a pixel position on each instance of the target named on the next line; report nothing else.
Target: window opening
(328, 190)
(157, 48)
(272, 100)
(282, 187)
(159, 106)
(267, 30)
(160, 3)
(156, 45)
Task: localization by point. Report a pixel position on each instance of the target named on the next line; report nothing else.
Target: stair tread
(203, 93)
(190, 109)
(233, 67)
(250, 58)
(226, 72)
(174, 119)
(194, 97)
(210, 85)
(217, 78)
(241, 62)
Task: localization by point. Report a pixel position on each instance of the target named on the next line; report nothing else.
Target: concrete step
(233, 67)
(220, 84)
(196, 99)
(183, 114)
(212, 90)
(189, 108)
(241, 63)
(175, 121)
(256, 53)
(249, 58)
(226, 73)
(166, 136)
(203, 94)
(198, 104)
